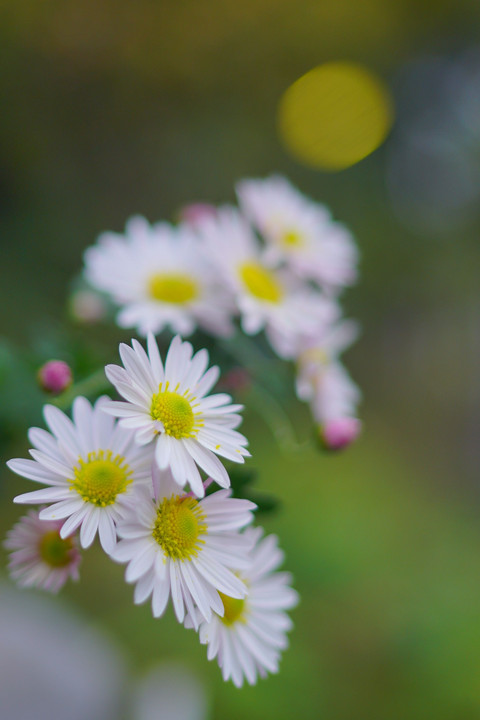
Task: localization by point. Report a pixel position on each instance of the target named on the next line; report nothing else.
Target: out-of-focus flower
(299, 232)
(90, 465)
(196, 212)
(160, 278)
(237, 380)
(170, 692)
(248, 637)
(267, 298)
(183, 547)
(53, 665)
(87, 306)
(55, 376)
(322, 380)
(170, 407)
(340, 433)
(39, 557)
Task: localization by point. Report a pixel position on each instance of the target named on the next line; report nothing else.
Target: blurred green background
(116, 108)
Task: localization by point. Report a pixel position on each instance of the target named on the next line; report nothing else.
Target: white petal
(143, 588)
(141, 563)
(61, 426)
(177, 597)
(42, 496)
(161, 592)
(207, 461)
(155, 359)
(83, 419)
(89, 527)
(137, 368)
(220, 577)
(106, 532)
(72, 523)
(33, 471)
(43, 440)
(49, 463)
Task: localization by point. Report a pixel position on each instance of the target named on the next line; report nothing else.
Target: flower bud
(236, 380)
(55, 376)
(196, 212)
(340, 433)
(86, 306)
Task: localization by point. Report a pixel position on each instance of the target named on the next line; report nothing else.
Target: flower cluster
(278, 262)
(135, 471)
(124, 478)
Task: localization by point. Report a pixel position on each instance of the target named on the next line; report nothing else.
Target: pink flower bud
(340, 433)
(196, 212)
(236, 380)
(55, 376)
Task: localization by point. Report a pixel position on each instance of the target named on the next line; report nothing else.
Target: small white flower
(39, 556)
(299, 231)
(179, 546)
(267, 299)
(322, 380)
(251, 633)
(335, 395)
(170, 407)
(90, 466)
(160, 278)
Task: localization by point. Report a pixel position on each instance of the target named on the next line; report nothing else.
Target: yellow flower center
(233, 609)
(261, 282)
(292, 238)
(178, 525)
(55, 551)
(172, 288)
(314, 355)
(174, 411)
(100, 478)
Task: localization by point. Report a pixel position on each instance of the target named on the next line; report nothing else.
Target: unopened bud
(55, 376)
(87, 306)
(236, 380)
(339, 434)
(196, 212)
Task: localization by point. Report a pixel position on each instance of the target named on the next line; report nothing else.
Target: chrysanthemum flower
(160, 278)
(39, 556)
(179, 546)
(322, 380)
(299, 231)
(248, 637)
(169, 406)
(90, 465)
(267, 299)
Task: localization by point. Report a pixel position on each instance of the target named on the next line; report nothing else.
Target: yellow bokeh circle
(335, 115)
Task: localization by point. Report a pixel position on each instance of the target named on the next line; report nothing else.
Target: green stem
(246, 352)
(277, 419)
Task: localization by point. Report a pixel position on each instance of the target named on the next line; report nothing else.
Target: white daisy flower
(187, 548)
(160, 278)
(299, 231)
(248, 637)
(322, 380)
(316, 353)
(39, 557)
(334, 394)
(90, 466)
(170, 407)
(267, 299)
